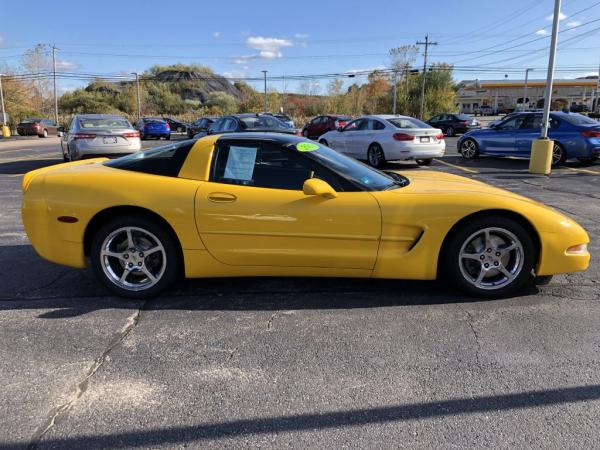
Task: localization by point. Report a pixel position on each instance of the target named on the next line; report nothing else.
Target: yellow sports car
(277, 205)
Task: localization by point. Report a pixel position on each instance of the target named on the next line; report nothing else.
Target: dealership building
(580, 94)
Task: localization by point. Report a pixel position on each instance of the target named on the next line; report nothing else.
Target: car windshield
(262, 123)
(407, 122)
(153, 121)
(360, 174)
(31, 120)
(578, 119)
(104, 122)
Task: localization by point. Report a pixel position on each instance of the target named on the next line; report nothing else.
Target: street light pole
(550, 75)
(2, 101)
(265, 75)
(525, 89)
(395, 87)
(137, 89)
(54, 78)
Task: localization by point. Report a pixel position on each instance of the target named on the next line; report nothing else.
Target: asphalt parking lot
(298, 363)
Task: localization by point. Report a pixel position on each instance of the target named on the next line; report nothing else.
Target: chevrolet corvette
(266, 204)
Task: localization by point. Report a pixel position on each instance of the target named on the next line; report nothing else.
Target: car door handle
(221, 197)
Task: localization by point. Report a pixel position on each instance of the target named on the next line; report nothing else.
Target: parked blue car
(153, 127)
(574, 135)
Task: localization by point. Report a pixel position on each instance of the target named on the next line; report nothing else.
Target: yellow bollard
(541, 156)
(5, 131)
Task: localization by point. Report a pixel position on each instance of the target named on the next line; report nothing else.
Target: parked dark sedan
(200, 125)
(176, 125)
(322, 124)
(37, 127)
(574, 136)
(451, 123)
(249, 122)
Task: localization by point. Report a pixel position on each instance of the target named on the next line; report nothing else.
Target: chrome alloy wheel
(468, 149)
(133, 258)
(375, 156)
(557, 154)
(491, 258)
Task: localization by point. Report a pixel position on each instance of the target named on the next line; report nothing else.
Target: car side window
(265, 165)
(554, 122)
(229, 125)
(377, 125)
(511, 124)
(533, 121)
(352, 126)
(364, 125)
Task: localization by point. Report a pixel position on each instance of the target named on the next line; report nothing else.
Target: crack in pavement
(270, 321)
(476, 336)
(77, 392)
(562, 191)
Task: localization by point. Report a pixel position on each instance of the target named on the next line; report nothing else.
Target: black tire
(452, 267)
(44, 134)
(324, 142)
(67, 155)
(559, 155)
(449, 132)
(469, 149)
(305, 134)
(375, 155)
(172, 262)
(168, 137)
(424, 162)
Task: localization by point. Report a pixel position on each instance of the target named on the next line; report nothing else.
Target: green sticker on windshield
(306, 147)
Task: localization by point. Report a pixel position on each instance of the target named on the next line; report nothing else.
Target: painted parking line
(464, 169)
(592, 172)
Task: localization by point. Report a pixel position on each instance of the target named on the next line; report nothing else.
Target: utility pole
(395, 86)
(54, 78)
(525, 89)
(2, 101)
(598, 91)
(137, 90)
(427, 43)
(265, 75)
(550, 74)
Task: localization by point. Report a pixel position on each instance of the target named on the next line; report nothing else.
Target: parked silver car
(93, 135)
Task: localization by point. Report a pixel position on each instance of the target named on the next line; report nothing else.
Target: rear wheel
(424, 162)
(588, 160)
(44, 134)
(489, 257)
(559, 156)
(449, 132)
(67, 155)
(375, 155)
(135, 257)
(469, 149)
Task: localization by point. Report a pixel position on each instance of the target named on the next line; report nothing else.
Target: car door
(350, 135)
(502, 139)
(253, 212)
(363, 137)
(528, 131)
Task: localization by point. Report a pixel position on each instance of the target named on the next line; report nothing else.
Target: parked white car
(93, 135)
(381, 138)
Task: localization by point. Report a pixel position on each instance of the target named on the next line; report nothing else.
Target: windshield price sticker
(306, 147)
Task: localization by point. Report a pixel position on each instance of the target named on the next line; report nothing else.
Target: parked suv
(40, 127)
(322, 124)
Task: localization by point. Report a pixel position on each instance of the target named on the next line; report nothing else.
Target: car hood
(430, 182)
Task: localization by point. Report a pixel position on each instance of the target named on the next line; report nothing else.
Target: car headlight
(579, 249)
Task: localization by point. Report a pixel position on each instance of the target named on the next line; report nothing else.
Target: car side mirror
(314, 186)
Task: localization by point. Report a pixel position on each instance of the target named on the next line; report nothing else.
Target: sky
(487, 39)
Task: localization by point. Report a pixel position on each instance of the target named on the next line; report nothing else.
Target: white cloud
(268, 47)
(233, 74)
(370, 69)
(542, 32)
(574, 23)
(216, 34)
(300, 36)
(66, 65)
(561, 16)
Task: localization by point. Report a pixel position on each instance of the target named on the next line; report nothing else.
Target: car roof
(279, 138)
(99, 116)
(386, 116)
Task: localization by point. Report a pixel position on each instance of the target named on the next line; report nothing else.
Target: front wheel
(135, 257)
(489, 257)
(449, 132)
(424, 162)
(469, 149)
(375, 155)
(559, 156)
